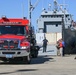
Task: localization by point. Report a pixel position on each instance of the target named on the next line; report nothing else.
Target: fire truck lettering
(10, 23)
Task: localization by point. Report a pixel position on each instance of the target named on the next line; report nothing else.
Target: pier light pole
(31, 8)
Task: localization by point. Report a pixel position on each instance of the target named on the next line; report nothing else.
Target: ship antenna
(49, 6)
(55, 5)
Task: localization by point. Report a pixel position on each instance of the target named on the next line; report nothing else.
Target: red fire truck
(16, 42)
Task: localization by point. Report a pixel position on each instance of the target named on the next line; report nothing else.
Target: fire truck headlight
(24, 47)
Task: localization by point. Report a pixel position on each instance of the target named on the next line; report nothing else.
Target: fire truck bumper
(13, 54)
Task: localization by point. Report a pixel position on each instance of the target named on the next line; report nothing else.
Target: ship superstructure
(51, 20)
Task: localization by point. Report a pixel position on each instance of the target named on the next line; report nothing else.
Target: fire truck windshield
(12, 29)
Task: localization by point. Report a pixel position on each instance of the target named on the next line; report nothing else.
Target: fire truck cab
(14, 40)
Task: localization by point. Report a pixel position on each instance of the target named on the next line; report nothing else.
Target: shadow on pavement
(20, 70)
(41, 59)
(38, 60)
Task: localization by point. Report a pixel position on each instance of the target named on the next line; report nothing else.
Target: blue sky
(14, 8)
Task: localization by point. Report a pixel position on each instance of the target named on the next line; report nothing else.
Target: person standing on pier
(45, 44)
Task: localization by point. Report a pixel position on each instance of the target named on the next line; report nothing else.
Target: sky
(19, 8)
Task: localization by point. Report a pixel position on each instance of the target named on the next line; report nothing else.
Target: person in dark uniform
(45, 44)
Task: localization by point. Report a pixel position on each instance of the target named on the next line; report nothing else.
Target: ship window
(45, 11)
(68, 18)
(57, 16)
(66, 15)
(42, 16)
(45, 16)
(56, 25)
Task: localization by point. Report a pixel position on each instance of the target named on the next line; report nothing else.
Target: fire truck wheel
(34, 56)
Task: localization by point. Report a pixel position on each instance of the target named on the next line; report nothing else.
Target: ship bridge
(50, 21)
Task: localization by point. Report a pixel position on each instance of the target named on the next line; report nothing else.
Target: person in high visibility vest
(62, 47)
(59, 47)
